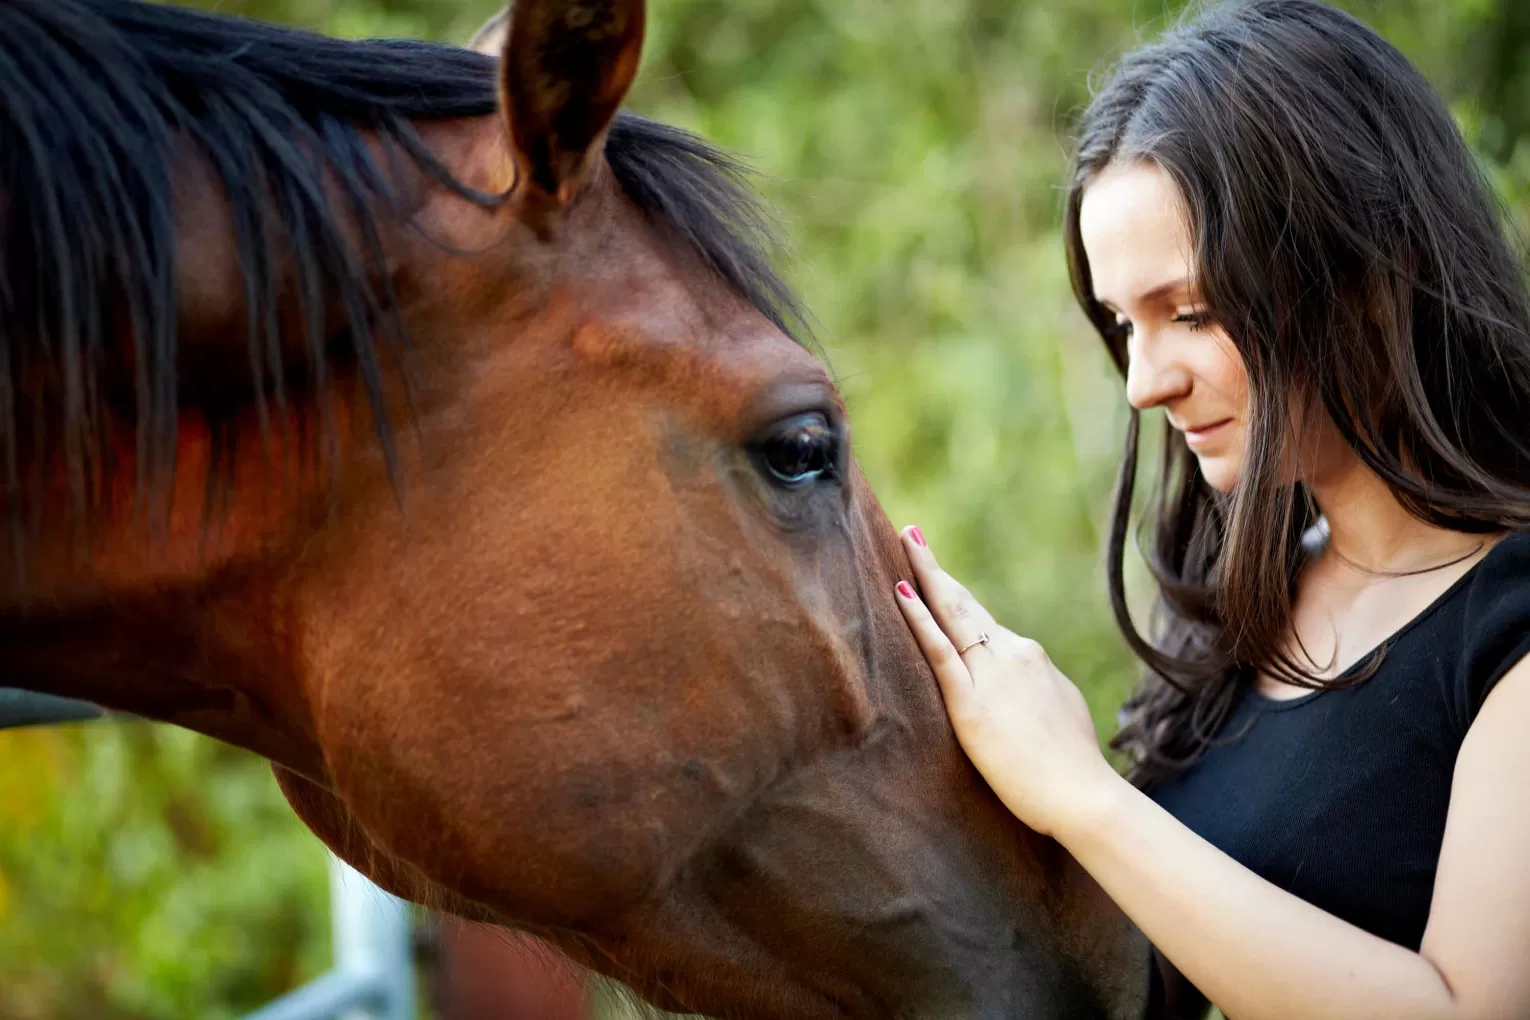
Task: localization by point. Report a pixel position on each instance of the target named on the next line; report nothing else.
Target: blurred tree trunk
(1500, 53)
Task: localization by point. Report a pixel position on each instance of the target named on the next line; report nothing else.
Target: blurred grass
(914, 148)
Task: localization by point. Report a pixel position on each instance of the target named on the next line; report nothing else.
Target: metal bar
(23, 708)
(373, 934)
(373, 977)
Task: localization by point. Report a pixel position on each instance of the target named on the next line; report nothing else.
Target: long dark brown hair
(1350, 246)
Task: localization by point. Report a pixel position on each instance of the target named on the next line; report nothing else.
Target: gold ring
(982, 639)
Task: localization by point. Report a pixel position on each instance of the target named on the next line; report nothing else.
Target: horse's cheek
(554, 748)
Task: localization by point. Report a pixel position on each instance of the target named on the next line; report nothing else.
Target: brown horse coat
(462, 464)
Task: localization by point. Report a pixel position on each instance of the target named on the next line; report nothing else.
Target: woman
(1282, 238)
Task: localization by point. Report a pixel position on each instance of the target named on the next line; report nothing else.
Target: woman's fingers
(961, 617)
(950, 670)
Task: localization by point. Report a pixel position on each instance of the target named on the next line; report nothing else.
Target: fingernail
(918, 536)
(906, 590)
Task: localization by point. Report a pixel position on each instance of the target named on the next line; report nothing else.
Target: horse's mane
(98, 100)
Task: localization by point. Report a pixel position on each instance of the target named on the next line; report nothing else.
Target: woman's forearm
(1258, 952)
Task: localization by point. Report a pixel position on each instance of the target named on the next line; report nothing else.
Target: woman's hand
(1024, 725)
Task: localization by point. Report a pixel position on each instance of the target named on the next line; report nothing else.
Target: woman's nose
(1153, 375)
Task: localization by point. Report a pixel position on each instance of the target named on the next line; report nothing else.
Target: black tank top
(1340, 796)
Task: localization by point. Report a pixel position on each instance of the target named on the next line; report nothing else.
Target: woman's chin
(1221, 473)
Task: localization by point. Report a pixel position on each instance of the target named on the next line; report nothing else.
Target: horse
(424, 422)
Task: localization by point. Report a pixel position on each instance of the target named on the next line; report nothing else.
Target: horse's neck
(211, 662)
(183, 628)
(170, 613)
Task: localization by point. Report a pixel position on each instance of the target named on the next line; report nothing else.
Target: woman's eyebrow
(1154, 293)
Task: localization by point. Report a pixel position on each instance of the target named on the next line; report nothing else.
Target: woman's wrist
(1095, 809)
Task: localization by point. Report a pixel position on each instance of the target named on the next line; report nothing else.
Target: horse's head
(607, 646)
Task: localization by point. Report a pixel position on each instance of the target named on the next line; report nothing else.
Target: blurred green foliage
(914, 148)
(149, 872)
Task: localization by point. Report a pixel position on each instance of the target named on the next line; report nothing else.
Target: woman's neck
(1369, 529)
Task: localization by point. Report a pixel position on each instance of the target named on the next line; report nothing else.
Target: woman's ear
(490, 39)
(565, 69)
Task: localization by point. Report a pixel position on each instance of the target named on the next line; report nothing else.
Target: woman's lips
(1202, 433)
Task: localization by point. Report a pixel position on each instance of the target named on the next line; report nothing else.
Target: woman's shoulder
(1494, 623)
(1500, 582)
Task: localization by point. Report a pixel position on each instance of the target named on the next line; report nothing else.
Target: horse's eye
(801, 451)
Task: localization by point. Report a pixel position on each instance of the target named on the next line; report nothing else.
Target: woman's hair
(1350, 246)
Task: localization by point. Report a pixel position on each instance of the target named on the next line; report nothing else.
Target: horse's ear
(567, 66)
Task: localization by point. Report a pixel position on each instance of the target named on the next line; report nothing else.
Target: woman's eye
(1195, 320)
(801, 451)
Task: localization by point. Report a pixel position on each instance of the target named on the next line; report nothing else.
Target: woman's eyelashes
(1194, 319)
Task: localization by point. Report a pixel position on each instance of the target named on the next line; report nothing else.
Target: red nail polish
(918, 537)
(906, 590)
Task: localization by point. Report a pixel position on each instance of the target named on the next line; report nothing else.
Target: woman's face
(1140, 258)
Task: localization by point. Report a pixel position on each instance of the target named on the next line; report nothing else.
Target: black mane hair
(98, 100)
